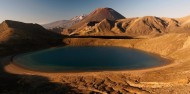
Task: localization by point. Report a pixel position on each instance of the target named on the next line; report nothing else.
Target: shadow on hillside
(25, 84)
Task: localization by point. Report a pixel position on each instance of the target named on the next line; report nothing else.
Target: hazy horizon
(45, 11)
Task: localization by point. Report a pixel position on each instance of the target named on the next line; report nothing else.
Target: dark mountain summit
(99, 15)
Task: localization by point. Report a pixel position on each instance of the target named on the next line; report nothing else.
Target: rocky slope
(17, 35)
(172, 78)
(142, 26)
(169, 79)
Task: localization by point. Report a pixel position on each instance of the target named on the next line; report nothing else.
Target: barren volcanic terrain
(167, 37)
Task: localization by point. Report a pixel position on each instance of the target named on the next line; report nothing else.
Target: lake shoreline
(163, 59)
(12, 68)
(168, 63)
(163, 79)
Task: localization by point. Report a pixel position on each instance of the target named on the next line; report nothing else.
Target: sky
(45, 11)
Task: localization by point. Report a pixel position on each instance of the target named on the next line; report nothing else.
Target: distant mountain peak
(98, 15)
(64, 23)
(78, 18)
(106, 13)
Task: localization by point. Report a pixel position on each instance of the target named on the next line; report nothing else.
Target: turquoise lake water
(92, 58)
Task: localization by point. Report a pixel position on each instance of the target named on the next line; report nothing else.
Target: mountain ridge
(138, 26)
(64, 23)
(108, 22)
(15, 31)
